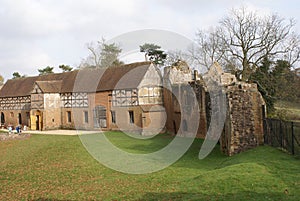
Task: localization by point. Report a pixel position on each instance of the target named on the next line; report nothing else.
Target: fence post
(281, 133)
(265, 131)
(293, 147)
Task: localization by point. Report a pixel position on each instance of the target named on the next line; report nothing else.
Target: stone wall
(11, 117)
(244, 124)
(220, 97)
(51, 112)
(184, 101)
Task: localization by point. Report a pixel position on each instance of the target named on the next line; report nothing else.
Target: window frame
(131, 116)
(113, 117)
(69, 117)
(86, 117)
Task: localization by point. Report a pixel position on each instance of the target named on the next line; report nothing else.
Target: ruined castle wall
(244, 124)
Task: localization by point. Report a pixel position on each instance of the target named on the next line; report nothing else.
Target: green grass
(59, 168)
(287, 110)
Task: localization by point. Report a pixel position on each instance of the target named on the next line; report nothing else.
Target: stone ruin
(243, 126)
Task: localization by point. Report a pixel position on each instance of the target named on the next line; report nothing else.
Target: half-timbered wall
(15, 103)
(74, 100)
(37, 101)
(37, 98)
(149, 95)
(125, 97)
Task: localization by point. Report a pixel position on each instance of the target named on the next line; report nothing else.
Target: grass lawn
(290, 110)
(59, 168)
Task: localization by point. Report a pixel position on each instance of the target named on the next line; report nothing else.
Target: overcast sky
(39, 33)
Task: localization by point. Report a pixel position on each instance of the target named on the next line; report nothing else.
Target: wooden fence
(283, 134)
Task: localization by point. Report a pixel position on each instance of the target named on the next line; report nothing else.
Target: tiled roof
(53, 86)
(86, 80)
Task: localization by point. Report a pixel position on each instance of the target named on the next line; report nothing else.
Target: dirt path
(58, 132)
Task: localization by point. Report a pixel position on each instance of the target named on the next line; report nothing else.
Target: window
(2, 118)
(20, 118)
(131, 117)
(185, 126)
(100, 116)
(86, 117)
(150, 95)
(113, 117)
(69, 116)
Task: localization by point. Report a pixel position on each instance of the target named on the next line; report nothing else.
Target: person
(9, 129)
(18, 129)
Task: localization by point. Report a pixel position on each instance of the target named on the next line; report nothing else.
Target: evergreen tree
(45, 71)
(153, 53)
(265, 83)
(17, 75)
(65, 68)
(286, 82)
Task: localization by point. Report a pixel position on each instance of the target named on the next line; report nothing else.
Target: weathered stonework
(215, 93)
(243, 127)
(185, 116)
(244, 124)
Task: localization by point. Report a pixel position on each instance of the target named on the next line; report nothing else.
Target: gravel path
(59, 132)
(6, 136)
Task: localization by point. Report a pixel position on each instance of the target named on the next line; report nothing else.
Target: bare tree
(244, 38)
(102, 55)
(175, 56)
(208, 48)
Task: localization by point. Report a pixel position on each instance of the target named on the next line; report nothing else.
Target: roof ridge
(109, 79)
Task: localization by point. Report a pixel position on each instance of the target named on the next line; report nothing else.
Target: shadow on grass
(48, 199)
(243, 195)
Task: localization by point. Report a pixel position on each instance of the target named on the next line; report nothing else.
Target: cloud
(37, 33)
(29, 19)
(24, 62)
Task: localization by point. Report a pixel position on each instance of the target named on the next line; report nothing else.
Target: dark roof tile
(86, 80)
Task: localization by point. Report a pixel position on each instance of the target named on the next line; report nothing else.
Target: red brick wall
(12, 117)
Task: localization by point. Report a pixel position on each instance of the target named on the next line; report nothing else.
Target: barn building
(136, 98)
(123, 97)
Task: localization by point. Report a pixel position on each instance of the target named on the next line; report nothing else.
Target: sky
(39, 33)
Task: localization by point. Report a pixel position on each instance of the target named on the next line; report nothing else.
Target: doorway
(37, 122)
(20, 118)
(100, 117)
(2, 118)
